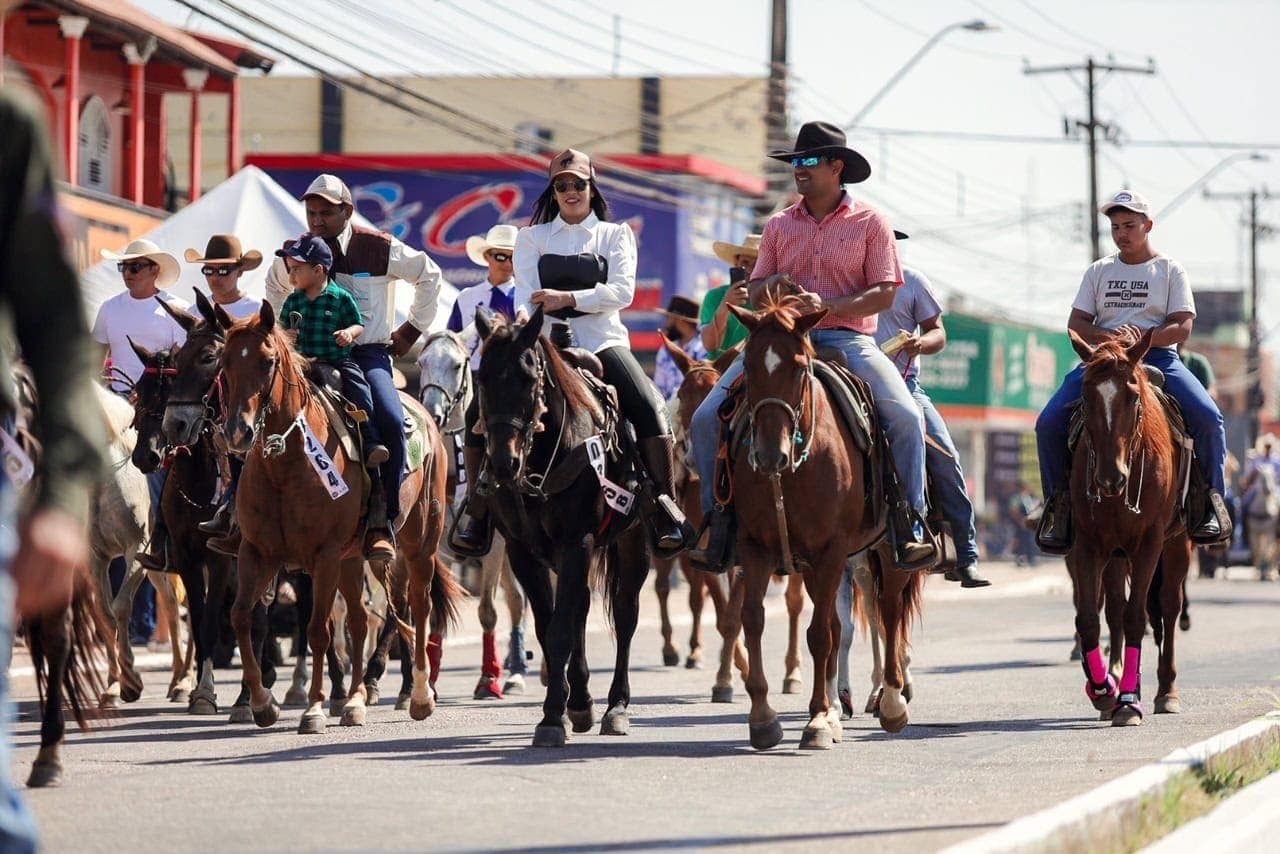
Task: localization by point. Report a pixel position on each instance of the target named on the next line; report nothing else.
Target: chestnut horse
(1125, 502)
(800, 501)
(289, 516)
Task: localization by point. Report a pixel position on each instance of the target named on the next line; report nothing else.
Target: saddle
(345, 418)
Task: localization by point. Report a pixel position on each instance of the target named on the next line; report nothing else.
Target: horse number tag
(17, 465)
(321, 461)
(615, 496)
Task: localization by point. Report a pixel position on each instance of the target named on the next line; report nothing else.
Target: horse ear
(726, 359)
(806, 322)
(745, 316)
(677, 354)
(185, 319)
(484, 322)
(267, 317)
(1139, 348)
(530, 331)
(221, 318)
(144, 355)
(205, 308)
(1082, 348)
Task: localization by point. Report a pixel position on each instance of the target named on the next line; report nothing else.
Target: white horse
(858, 572)
(446, 392)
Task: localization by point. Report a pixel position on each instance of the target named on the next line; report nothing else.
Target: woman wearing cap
(222, 265)
(581, 269)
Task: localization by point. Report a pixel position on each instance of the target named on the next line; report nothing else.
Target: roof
(129, 23)
(241, 54)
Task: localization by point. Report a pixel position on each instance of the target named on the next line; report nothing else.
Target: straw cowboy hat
(727, 252)
(499, 237)
(169, 269)
(823, 139)
(225, 249)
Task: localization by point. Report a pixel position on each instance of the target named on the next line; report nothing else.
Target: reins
(1137, 447)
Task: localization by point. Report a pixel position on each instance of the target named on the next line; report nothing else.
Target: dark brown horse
(800, 501)
(292, 510)
(1125, 500)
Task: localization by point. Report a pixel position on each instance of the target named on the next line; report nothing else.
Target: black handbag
(579, 272)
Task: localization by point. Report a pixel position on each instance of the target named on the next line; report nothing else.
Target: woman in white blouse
(582, 270)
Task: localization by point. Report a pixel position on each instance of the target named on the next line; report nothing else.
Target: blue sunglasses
(806, 161)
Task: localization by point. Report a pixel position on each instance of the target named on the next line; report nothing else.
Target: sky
(999, 225)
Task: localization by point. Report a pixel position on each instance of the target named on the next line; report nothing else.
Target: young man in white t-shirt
(1122, 296)
(222, 264)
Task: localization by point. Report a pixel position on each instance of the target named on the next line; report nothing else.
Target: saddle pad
(346, 437)
(415, 435)
(852, 400)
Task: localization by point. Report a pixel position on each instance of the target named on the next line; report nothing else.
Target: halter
(166, 375)
(274, 444)
(1091, 491)
(453, 398)
(795, 414)
(531, 484)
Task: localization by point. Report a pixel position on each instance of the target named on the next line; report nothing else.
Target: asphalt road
(999, 728)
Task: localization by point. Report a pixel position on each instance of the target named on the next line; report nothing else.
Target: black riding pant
(637, 395)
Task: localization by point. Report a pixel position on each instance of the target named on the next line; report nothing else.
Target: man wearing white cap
(1122, 297)
(367, 264)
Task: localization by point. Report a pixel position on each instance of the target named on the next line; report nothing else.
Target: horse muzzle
(146, 457)
(181, 424)
(239, 433)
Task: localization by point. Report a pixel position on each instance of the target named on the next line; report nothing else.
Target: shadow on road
(1017, 664)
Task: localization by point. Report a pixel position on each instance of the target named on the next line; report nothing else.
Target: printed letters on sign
(321, 461)
(615, 496)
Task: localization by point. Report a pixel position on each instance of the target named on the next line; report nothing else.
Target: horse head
(1115, 396)
(149, 395)
(257, 361)
(446, 380)
(198, 362)
(512, 379)
(778, 363)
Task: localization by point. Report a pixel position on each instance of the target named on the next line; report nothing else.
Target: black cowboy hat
(826, 140)
(683, 308)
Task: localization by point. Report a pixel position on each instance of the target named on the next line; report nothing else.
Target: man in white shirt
(368, 264)
(222, 264)
(1122, 296)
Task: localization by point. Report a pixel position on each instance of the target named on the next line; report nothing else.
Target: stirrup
(471, 536)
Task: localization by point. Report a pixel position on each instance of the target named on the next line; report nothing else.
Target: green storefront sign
(997, 364)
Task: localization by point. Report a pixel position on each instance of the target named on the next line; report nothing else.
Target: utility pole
(1254, 398)
(1092, 125)
(777, 175)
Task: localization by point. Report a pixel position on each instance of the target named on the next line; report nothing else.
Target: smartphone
(736, 274)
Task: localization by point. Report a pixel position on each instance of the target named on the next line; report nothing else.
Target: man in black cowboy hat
(841, 254)
(222, 265)
(682, 328)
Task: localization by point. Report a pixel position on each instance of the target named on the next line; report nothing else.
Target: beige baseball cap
(330, 188)
(572, 161)
(1126, 200)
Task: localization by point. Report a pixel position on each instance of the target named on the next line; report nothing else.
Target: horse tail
(402, 628)
(88, 652)
(912, 606)
(446, 593)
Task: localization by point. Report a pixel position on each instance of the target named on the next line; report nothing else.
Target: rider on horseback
(1122, 296)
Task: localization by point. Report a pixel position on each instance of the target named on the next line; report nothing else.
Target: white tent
(254, 208)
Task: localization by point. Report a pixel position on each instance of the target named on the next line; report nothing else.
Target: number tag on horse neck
(321, 461)
(614, 495)
(17, 465)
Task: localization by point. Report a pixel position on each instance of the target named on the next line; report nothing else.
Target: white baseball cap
(331, 188)
(1128, 200)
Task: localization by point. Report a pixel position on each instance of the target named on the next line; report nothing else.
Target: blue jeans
(950, 495)
(388, 417)
(1204, 422)
(17, 827)
(705, 427)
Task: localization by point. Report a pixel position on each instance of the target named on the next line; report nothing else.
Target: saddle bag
(579, 272)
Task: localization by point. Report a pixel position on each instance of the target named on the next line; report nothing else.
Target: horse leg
(336, 664)
(1176, 563)
(377, 666)
(1184, 618)
(1113, 582)
(488, 688)
(351, 581)
(204, 610)
(1086, 577)
(697, 598)
(795, 604)
(823, 635)
(167, 608)
(304, 606)
(630, 561)
(662, 587)
(121, 608)
(514, 598)
(893, 706)
(844, 612)
(762, 722)
(254, 577)
(1128, 710)
(567, 654)
(732, 649)
(324, 580)
(862, 576)
(102, 577)
(422, 701)
(50, 641)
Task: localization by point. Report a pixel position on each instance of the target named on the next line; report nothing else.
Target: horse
(67, 646)
(559, 498)
(299, 503)
(802, 459)
(870, 623)
(447, 390)
(1125, 502)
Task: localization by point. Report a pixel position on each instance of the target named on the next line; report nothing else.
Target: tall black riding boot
(377, 532)
(669, 532)
(472, 533)
(1054, 534)
(156, 557)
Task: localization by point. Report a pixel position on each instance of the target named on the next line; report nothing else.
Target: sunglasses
(807, 162)
(134, 267)
(500, 257)
(564, 186)
(218, 271)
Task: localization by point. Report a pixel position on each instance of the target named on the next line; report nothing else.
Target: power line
(1037, 139)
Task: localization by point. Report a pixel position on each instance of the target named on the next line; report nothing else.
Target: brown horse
(288, 515)
(1125, 500)
(800, 501)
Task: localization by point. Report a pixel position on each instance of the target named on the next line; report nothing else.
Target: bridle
(1135, 449)
(795, 414)
(453, 398)
(531, 484)
(213, 403)
(272, 445)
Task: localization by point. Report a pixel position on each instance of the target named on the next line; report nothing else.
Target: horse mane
(577, 393)
(1112, 355)
(293, 365)
(117, 415)
(783, 309)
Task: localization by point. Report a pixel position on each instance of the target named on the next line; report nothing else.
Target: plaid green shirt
(332, 310)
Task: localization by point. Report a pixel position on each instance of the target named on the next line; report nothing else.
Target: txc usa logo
(438, 236)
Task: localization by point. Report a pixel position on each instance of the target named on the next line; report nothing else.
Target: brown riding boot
(669, 532)
(156, 557)
(472, 534)
(378, 546)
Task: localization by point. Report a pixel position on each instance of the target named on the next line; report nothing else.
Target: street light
(975, 26)
(1223, 164)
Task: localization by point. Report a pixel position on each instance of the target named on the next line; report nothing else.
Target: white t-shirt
(243, 307)
(122, 318)
(1116, 293)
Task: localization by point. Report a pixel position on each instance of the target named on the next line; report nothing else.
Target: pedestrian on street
(1018, 509)
(1262, 503)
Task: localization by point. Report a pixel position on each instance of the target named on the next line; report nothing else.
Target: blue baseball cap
(309, 250)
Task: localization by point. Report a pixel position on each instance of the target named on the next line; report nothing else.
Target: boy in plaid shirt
(329, 325)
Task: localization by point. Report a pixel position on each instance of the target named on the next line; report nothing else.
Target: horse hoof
(312, 724)
(45, 774)
(816, 737)
(514, 684)
(722, 694)
(1126, 715)
(295, 697)
(371, 695)
(402, 702)
(873, 703)
(354, 716)
(766, 735)
(202, 706)
(109, 702)
(1167, 704)
(130, 693)
(549, 735)
(241, 715)
(1184, 623)
(616, 721)
(791, 685)
(487, 689)
(421, 711)
(1105, 703)
(582, 719)
(837, 729)
(894, 724)
(670, 657)
(267, 716)
(179, 695)
(691, 663)
(336, 705)
(907, 692)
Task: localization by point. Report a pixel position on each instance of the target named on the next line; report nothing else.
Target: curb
(1104, 818)
(1247, 821)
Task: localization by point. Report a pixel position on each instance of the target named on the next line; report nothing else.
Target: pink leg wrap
(435, 648)
(490, 665)
(1096, 667)
(1129, 679)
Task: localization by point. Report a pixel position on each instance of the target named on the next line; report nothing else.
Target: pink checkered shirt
(849, 251)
